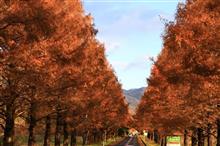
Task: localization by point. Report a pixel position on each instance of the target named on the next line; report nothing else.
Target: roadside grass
(108, 142)
(148, 142)
(23, 140)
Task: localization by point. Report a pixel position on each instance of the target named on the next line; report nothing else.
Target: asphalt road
(129, 141)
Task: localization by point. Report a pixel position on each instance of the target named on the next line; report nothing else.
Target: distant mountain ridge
(133, 97)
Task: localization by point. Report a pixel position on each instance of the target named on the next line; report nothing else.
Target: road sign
(173, 141)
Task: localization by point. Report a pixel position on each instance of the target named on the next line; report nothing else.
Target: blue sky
(131, 32)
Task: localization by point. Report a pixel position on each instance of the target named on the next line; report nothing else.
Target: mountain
(133, 97)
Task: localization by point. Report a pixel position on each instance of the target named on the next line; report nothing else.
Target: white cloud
(111, 44)
(140, 63)
(111, 47)
(138, 20)
(119, 65)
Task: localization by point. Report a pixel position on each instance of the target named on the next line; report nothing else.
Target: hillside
(133, 97)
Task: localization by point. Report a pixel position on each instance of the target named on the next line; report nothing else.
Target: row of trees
(183, 93)
(54, 77)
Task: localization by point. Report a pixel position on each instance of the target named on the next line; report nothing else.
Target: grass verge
(148, 142)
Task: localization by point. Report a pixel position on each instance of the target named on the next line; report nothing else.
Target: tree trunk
(165, 141)
(32, 124)
(100, 136)
(152, 136)
(47, 132)
(31, 138)
(94, 135)
(85, 136)
(148, 135)
(113, 136)
(162, 142)
(65, 134)
(8, 139)
(218, 132)
(105, 136)
(84, 139)
(185, 138)
(200, 137)
(156, 136)
(58, 129)
(194, 141)
(209, 139)
(73, 138)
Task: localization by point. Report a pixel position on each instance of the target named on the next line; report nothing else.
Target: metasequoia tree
(100, 93)
(21, 59)
(186, 80)
(53, 69)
